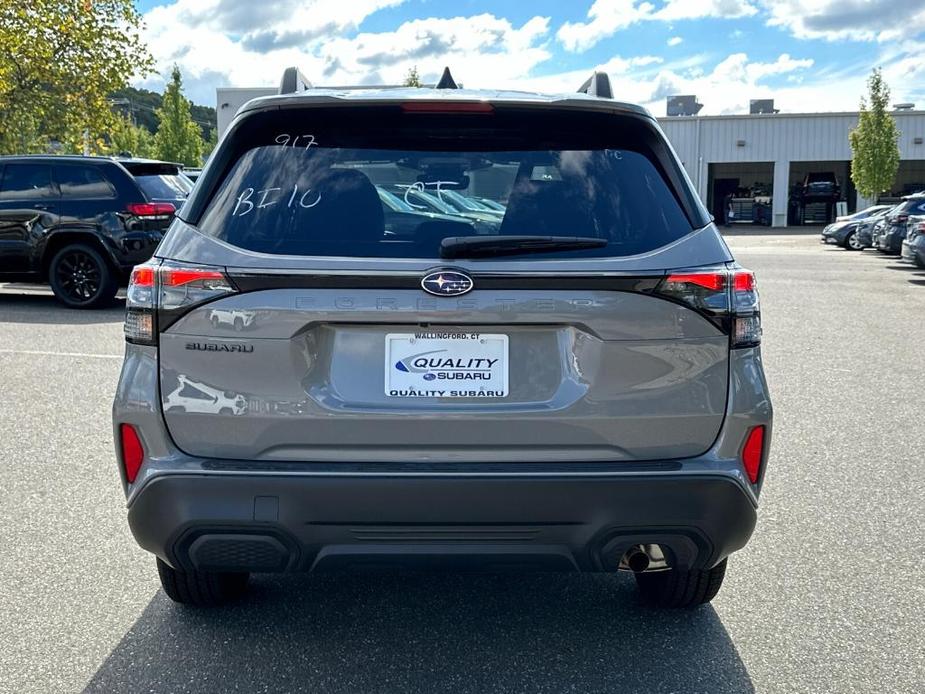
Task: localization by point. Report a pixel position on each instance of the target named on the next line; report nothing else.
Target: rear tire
(676, 588)
(201, 588)
(81, 278)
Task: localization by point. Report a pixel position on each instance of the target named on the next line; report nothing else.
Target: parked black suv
(81, 223)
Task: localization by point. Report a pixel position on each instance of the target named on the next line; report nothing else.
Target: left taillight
(159, 292)
(729, 296)
(133, 453)
(141, 304)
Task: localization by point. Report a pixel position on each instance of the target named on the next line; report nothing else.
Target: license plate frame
(447, 365)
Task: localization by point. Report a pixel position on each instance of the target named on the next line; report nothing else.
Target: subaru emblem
(446, 283)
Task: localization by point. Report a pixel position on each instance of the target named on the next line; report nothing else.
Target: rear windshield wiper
(489, 246)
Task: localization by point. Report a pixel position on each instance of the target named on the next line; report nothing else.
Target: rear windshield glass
(164, 187)
(916, 206)
(365, 188)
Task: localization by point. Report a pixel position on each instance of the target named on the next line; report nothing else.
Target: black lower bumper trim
(320, 522)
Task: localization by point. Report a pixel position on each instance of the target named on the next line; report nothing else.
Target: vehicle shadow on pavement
(426, 633)
(41, 308)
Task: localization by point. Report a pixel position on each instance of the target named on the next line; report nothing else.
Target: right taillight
(159, 292)
(728, 296)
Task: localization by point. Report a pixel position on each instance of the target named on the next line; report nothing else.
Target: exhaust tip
(640, 558)
(637, 560)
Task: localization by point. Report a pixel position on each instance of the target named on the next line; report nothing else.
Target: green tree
(59, 61)
(875, 142)
(128, 138)
(413, 79)
(178, 137)
(210, 144)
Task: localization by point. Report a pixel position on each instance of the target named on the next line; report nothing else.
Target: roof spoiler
(293, 81)
(598, 84)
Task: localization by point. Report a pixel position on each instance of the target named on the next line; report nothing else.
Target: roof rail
(446, 81)
(293, 81)
(598, 84)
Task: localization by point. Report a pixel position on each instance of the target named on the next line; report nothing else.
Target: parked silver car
(867, 229)
(581, 389)
(913, 247)
(891, 231)
(844, 230)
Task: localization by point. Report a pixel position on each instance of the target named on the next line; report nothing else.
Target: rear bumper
(891, 241)
(232, 520)
(913, 252)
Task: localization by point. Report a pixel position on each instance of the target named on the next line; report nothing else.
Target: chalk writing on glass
(251, 199)
(287, 140)
(421, 186)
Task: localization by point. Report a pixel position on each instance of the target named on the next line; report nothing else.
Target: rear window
(78, 181)
(395, 185)
(160, 181)
(164, 187)
(913, 207)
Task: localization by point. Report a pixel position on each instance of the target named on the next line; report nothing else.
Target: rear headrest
(551, 208)
(349, 206)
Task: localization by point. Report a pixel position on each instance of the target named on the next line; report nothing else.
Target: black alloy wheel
(80, 278)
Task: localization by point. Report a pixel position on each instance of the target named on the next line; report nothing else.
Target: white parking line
(40, 353)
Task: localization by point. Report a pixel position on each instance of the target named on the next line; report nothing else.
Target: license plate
(449, 364)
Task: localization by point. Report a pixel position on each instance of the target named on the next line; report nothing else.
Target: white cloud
(210, 38)
(675, 40)
(474, 47)
(215, 45)
(726, 88)
(698, 9)
(858, 20)
(607, 17)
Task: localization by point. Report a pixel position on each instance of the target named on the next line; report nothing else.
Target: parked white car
(190, 396)
(237, 319)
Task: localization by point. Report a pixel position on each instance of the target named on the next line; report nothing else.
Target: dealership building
(759, 160)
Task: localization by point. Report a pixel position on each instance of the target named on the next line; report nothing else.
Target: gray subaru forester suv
(325, 373)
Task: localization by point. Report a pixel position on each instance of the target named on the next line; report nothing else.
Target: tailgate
(310, 374)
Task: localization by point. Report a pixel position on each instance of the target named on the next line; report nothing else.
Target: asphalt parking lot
(828, 597)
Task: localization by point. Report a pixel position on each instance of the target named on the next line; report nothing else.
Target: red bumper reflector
(132, 452)
(751, 453)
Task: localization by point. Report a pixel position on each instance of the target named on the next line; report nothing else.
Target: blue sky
(809, 55)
